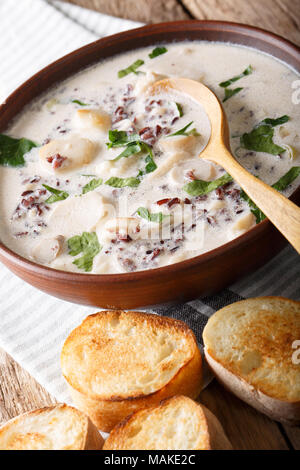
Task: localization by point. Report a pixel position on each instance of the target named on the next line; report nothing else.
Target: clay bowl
(199, 276)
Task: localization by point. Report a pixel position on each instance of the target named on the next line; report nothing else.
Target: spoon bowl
(282, 212)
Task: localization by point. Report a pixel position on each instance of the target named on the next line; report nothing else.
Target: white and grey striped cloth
(34, 325)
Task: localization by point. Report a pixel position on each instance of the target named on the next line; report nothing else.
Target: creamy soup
(100, 176)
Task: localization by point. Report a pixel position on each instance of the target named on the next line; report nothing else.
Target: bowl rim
(194, 262)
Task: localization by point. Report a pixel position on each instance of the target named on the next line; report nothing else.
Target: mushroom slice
(179, 143)
(168, 164)
(125, 125)
(283, 132)
(122, 228)
(92, 118)
(244, 223)
(77, 214)
(196, 168)
(217, 205)
(47, 249)
(146, 80)
(63, 155)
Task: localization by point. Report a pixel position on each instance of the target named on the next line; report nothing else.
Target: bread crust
(91, 438)
(272, 337)
(285, 412)
(107, 412)
(210, 434)
(217, 437)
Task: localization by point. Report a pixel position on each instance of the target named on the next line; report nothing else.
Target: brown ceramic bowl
(199, 276)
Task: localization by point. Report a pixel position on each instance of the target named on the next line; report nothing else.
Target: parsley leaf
(121, 138)
(80, 103)
(132, 149)
(57, 194)
(93, 184)
(229, 93)
(183, 131)
(179, 109)
(74, 245)
(12, 150)
(149, 160)
(200, 187)
(280, 185)
(150, 164)
(259, 215)
(260, 139)
(227, 83)
(145, 214)
(131, 69)
(134, 145)
(276, 122)
(88, 245)
(287, 179)
(116, 182)
(157, 51)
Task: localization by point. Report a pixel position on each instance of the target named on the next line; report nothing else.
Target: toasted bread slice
(249, 346)
(177, 423)
(118, 362)
(58, 427)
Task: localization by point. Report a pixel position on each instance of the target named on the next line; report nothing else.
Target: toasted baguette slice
(249, 346)
(118, 362)
(58, 427)
(177, 423)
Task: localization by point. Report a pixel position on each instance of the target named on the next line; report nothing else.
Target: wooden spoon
(283, 213)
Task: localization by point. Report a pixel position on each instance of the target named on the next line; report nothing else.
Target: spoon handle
(282, 212)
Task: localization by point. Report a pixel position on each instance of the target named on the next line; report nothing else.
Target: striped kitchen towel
(34, 325)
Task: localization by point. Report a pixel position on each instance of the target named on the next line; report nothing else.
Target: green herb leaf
(280, 185)
(260, 139)
(134, 145)
(74, 245)
(93, 184)
(277, 121)
(146, 148)
(150, 164)
(200, 187)
(287, 179)
(259, 215)
(57, 194)
(183, 131)
(12, 150)
(131, 149)
(131, 69)
(227, 83)
(121, 138)
(80, 103)
(157, 51)
(149, 160)
(116, 182)
(88, 245)
(145, 214)
(229, 93)
(179, 109)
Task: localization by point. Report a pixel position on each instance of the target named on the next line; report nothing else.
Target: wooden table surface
(245, 427)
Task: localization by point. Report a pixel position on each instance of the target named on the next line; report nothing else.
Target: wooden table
(245, 427)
